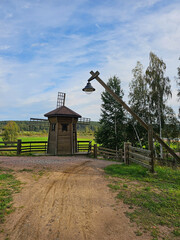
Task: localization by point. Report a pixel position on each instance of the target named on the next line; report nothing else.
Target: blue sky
(48, 46)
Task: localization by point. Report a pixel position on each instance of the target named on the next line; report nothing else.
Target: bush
(10, 132)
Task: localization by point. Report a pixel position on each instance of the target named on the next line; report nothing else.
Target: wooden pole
(119, 100)
(126, 152)
(95, 150)
(150, 146)
(18, 146)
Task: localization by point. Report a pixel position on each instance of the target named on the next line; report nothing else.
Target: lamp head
(88, 88)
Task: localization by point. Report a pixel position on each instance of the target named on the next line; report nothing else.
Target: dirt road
(70, 201)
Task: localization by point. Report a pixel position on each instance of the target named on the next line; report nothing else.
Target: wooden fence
(140, 156)
(107, 153)
(35, 146)
(84, 146)
(8, 146)
(23, 147)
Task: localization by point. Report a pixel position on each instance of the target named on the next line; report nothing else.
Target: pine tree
(112, 130)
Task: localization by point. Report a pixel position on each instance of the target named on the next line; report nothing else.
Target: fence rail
(23, 147)
(140, 156)
(84, 146)
(107, 153)
(8, 146)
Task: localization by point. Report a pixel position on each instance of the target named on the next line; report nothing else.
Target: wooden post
(126, 152)
(89, 147)
(119, 155)
(150, 146)
(95, 150)
(18, 146)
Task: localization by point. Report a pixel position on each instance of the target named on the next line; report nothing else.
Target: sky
(50, 46)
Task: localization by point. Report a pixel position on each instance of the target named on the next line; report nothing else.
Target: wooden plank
(34, 151)
(106, 152)
(8, 150)
(108, 149)
(140, 163)
(10, 146)
(139, 156)
(33, 142)
(8, 142)
(144, 151)
(31, 149)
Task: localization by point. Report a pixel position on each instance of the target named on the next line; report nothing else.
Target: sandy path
(69, 203)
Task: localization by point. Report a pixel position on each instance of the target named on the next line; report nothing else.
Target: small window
(53, 127)
(64, 127)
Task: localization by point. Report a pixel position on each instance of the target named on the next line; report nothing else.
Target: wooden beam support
(119, 100)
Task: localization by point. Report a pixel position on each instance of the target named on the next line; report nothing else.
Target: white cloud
(4, 47)
(51, 46)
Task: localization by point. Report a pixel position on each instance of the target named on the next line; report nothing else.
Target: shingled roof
(62, 112)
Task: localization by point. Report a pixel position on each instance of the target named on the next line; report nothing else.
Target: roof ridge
(62, 111)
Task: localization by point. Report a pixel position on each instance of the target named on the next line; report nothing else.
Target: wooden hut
(62, 139)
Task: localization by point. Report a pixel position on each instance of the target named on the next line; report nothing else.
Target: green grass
(33, 138)
(155, 199)
(8, 186)
(86, 138)
(45, 138)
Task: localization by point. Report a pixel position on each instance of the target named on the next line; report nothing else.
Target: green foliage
(178, 84)
(148, 97)
(155, 197)
(111, 133)
(10, 132)
(138, 100)
(159, 87)
(138, 95)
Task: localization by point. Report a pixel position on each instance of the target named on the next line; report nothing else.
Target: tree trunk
(160, 128)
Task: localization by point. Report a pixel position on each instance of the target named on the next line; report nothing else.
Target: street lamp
(89, 89)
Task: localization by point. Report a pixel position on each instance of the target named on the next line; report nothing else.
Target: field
(41, 137)
(154, 200)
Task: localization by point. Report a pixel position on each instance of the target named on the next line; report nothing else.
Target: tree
(171, 128)
(178, 83)
(159, 89)
(138, 94)
(10, 132)
(111, 132)
(138, 100)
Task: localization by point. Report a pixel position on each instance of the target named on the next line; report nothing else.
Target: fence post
(119, 155)
(89, 147)
(18, 146)
(150, 146)
(126, 152)
(95, 150)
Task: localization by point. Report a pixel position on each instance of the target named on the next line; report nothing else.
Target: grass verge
(154, 200)
(8, 186)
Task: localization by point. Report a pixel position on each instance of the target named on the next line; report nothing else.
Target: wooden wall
(52, 137)
(62, 142)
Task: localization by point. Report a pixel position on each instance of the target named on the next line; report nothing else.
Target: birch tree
(159, 89)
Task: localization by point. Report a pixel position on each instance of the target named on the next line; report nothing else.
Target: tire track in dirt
(73, 204)
(54, 196)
